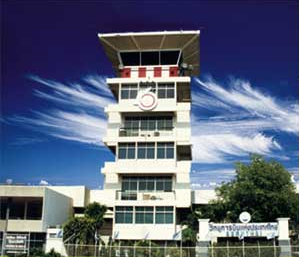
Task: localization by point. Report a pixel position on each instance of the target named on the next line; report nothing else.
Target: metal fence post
(274, 245)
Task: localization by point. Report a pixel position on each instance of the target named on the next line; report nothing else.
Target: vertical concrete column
(283, 237)
(203, 238)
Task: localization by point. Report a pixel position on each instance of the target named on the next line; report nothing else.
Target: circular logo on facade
(245, 217)
(147, 101)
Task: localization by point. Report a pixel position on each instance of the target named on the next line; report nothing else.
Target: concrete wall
(56, 210)
(203, 196)
(78, 194)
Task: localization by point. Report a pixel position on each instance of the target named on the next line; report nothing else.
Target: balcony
(145, 196)
(125, 132)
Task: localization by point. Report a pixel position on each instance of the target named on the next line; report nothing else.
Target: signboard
(241, 230)
(16, 243)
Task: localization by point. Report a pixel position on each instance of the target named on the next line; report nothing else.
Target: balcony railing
(144, 196)
(125, 132)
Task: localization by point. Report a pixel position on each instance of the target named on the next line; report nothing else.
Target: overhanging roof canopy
(187, 41)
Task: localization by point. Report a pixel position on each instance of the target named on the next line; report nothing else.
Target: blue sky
(53, 85)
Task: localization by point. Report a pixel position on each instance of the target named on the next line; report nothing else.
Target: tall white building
(148, 184)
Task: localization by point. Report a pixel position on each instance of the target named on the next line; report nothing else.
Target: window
(164, 123)
(164, 57)
(165, 150)
(146, 151)
(164, 184)
(146, 183)
(129, 91)
(166, 90)
(126, 151)
(169, 57)
(123, 214)
(130, 58)
(164, 215)
(148, 123)
(144, 215)
(150, 58)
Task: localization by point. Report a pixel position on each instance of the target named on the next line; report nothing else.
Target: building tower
(148, 184)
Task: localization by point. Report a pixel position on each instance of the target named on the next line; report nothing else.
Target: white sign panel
(16, 243)
(241, 230)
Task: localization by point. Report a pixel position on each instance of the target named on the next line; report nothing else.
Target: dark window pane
(169, 57)
(168, 217)
(161, 93)
(160, 153)
(151, 124)
(131, 153)
(151, 185)
(149, 218)
(129, 218)
(149, 58)
(124, 94)
(170, 93)
(151, 153)
(125, 186)
(122, 153)
(159, 218)
(141, 153)
(119, 218)
(168, 186)
(160, 186)
(142, 185)
(169, 153)
(133, 186)
(130, 58)
(133, 94)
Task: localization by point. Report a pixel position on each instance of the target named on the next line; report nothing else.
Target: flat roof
(186, 40)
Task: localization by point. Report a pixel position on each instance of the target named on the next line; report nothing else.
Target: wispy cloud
(76, 113)
(243, 118)
(242, 122)
(210, 178)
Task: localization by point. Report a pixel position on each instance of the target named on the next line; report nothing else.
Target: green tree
(81, 230)
(262, 188)
(96, 212)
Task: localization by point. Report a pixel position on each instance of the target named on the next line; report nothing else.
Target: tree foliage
(81, 230)
(262, 188)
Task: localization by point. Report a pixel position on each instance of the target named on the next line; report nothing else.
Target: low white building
(34, 209)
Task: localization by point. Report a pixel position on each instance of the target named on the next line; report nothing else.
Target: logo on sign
(146, 100)
(245, 217)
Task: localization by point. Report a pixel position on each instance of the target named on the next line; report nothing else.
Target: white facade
(149, 133)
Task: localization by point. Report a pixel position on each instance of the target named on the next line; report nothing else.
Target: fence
(150, 251)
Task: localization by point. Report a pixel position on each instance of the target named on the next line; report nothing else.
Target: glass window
(164, 123)
(123, 214)
(144, 215)
(146, 151)
(165, 150)
(126, 151)
(128, 91)
(147, 183)
(164, 215)
(150, 58)
(130, 58)
(169, 57)
(166, 90)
